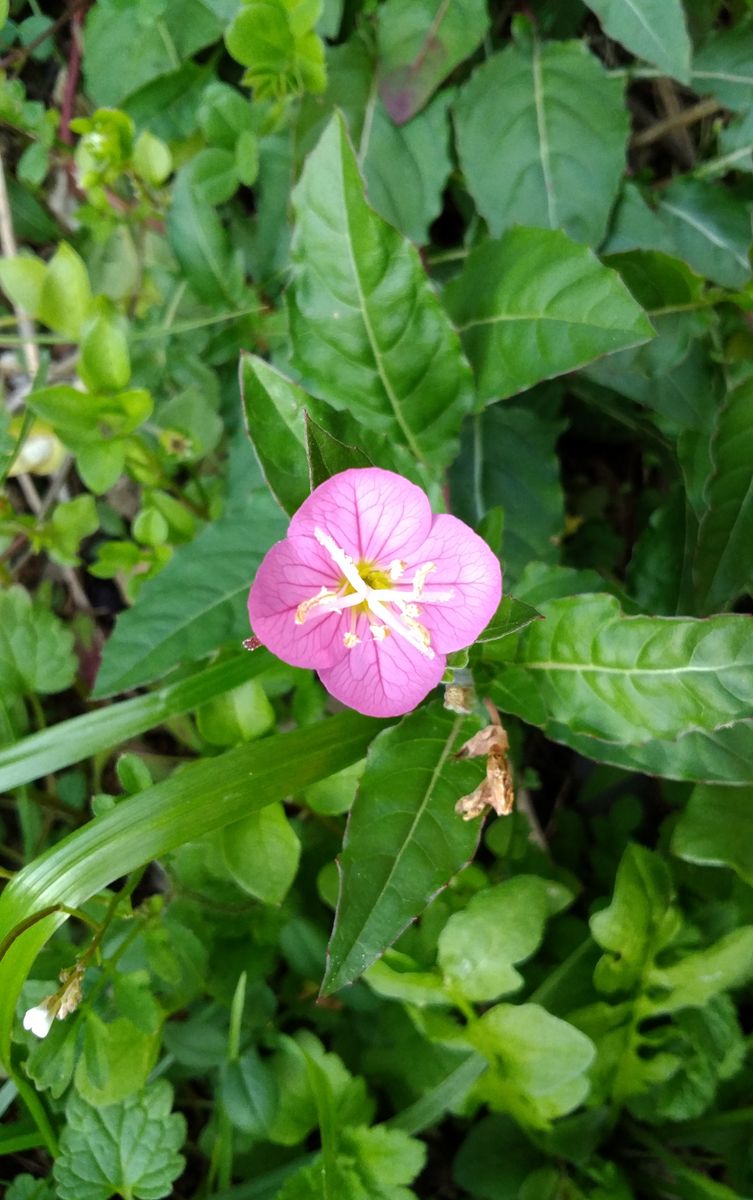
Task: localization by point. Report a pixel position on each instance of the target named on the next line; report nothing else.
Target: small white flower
(39, 1020)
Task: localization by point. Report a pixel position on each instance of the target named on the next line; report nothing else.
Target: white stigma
(394, 608)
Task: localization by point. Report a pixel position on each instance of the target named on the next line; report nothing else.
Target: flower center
(366, 588)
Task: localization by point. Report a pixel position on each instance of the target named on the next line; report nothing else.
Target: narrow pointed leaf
(404, 840)
(511, 616)
(204, 796)
(534, 305)
(626, 679)
(327, 455)
(369, 334)
(273, 407)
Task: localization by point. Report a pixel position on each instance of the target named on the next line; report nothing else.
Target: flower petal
(382, 679)
(465, 565)
(373, 515)
(293, 571)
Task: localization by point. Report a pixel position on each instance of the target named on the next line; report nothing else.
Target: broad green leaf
(21, 279)
(637, 924)
(104, 364)
(214, 176)
(500, 926)
(723, 567)
(196, 603)
(419, 44)
(531, 123)
(508, 458)
(273, 407)
(716, 829)
(117, 1058)
(78, 738)
(249, 1094)
(511, 616)
(238, 715)
(368, 333)
(534, 305)
(262, 853)
(129, 1149)
(625, 679)
(538, 1063)
(146, 43)
(370, 1164)
(720, 756)
(65, 295)
(418, 151)
(327, 455)
(202, 246)
(296, 1115)
(724, 66)
(276, 42)
(710, 228)
(27, 1187)
(700, 975)
(224, 114)
(36, 650)
(650, 29)
(495, 1159)
(202, 797)
(658, 575)
(391, 867)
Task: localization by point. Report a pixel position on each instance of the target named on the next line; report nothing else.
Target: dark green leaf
(724, 66)
(327, 456)
(274, 409)
(202, 246)
(716, 829)
(511, 616)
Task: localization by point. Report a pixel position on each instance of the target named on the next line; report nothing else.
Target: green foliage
(36, 650)
(276, 42)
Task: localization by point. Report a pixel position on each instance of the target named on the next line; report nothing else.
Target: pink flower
(373, 591)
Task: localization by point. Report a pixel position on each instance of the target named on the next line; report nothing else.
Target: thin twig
(688, 116)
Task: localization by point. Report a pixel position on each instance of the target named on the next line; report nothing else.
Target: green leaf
(71, 741)
(418, 151)
(723, 569)
(196, 603)
(639, 922)
(262, 853)
(368, 333)
(152, 160)
(214, 176)
(534, 305)
(82, 418)
(716, 829)
(495, 1159)
(104, 363)
(202, 246)
(129, 1148)
(236, 716)
(392, 867)
(26, 1187)
(248, 1093)
(724, 66)
(651, 29)
(500, 926)
(274, 409)
(511, 616)
(116, 1060)
(710, 228)
(420, 44)
(21, 279)
(36, 650)
(202, 797)
(625, 679)
(65, 295)
(508, 459)
(538, 1063)
(275, 40)
(562, 113)
(327, 456)
(224, 114)
(145, 42)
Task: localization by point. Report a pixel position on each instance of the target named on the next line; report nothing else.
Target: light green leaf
(117, 1058)
(236, 716)
(82, 418)
(214, 176)
(508, 458)
(276, 42)
(196, 603)
(65, 295)
(538, 1062)
(700, 975)
(534, 305)
(21, 279)
(368, 332)
(531, 123)
(27, 1187)
(723, 567)
(262, 853)
(500, 926)
(626, 679)
(716, 829)
(650, 29)
(420, 44)
(724, 66)
(638, 923)
(129, 1149)
(36, 650)
(224, 114)
(390, 868)
(104, 364)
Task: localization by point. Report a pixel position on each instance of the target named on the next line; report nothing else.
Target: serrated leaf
(197, 602)
(129, 1148)
(724, 66)
(391, 867)
(508, 459)
(511, 616)
(534, 305)
(36, 650)
(723, 568)
(651, 29)
(420, 44)
(626, 679)
(716, 829)
(327, 456)
(368, 332)
(531, 123)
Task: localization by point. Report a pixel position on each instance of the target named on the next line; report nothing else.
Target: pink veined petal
(293, 571)
(372, 514)
(382, 679)
(466, 565)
